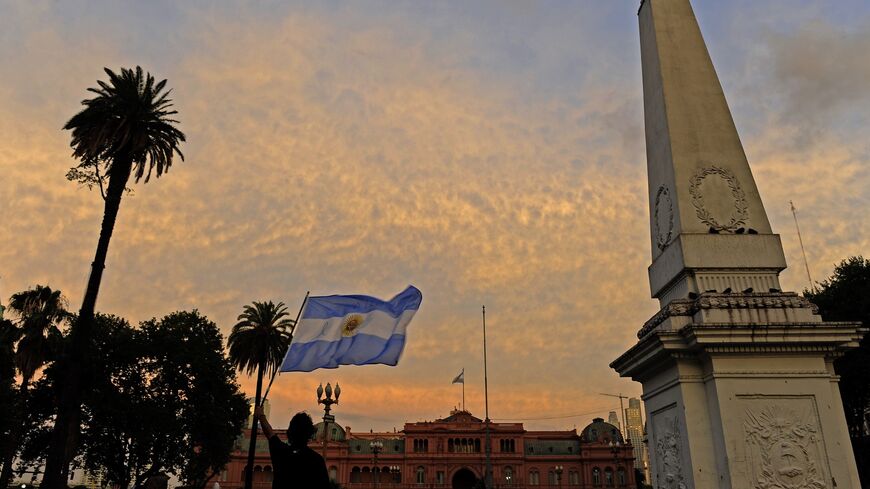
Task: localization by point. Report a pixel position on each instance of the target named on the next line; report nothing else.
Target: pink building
(450, 453)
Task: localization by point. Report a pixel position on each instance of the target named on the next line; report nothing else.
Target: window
(551, 478)
(574, 478)
(534, 478)
(608, 477)
(421, 475)
(508, 473)
(421, 445)
(355, 475)
(450, 445)
(620, 477)
(439, 477)
(333, 473)
(477, 446)
(507, 446)
(596, 476)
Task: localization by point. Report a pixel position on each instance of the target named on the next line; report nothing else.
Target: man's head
(301, 429)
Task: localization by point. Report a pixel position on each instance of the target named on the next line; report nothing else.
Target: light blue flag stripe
(361, 349)
(330, 306)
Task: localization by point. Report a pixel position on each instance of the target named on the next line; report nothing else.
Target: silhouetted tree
(160, 398)
(258, 343)
(39, 311)
(845, 296)
(9, 335)
(125, 129)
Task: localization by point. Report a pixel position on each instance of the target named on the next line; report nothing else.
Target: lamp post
(559, 470)
(615, 449)
(327, 402)
(376, 447)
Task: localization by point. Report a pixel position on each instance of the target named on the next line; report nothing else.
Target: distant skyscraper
(613, 419)
(267, 408)
(634, 432)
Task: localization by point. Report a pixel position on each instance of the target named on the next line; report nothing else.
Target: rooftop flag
(351, 330)
(460, 379)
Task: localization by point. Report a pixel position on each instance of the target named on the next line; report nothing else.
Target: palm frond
(129, 116)
(260, 337)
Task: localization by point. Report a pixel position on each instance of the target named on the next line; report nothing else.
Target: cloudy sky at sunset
(486, 152)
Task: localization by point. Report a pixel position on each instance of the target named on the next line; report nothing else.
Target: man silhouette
(296, 466)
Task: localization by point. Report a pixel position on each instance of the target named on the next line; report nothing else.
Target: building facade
(450, 453)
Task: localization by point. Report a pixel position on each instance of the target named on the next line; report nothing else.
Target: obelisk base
(740, 392)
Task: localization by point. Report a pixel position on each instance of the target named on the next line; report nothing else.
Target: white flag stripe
(375, 323)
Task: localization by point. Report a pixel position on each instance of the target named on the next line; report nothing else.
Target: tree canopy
(845, 296)
(160, 398)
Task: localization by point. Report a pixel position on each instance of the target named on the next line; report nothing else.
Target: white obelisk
(738, 381)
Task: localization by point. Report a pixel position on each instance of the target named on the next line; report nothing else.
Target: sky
(486, 152)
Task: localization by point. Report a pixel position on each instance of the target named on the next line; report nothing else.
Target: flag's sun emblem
(350, 324)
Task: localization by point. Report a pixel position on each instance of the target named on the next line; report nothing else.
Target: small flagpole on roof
(463, 388)
(295, 323)
(487, 477)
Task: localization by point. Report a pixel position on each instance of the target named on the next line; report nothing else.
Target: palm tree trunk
(252, 447)
(64, 437)
(14, 437)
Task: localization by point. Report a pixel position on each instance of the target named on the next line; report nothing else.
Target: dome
(601, 432)
(336, 432)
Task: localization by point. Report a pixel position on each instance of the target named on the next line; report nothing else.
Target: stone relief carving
(663, 217)
(783, 444)
(740, 211)
(669, 454)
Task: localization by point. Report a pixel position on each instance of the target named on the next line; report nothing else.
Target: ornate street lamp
(376, 447)
(559, 470)
(396, 470)
(327, 402)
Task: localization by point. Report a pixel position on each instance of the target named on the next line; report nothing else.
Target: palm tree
(40, 310)
(127, 128)
(258, 342)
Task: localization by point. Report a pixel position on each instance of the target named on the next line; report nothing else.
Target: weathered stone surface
(738, 378)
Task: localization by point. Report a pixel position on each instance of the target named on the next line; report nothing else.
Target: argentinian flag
(351, 330)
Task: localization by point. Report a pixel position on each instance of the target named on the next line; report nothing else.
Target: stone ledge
(710, 300)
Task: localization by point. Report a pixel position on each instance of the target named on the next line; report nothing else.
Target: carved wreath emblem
(350, 324)
(740, 212)
(783, 441)
(663, 218)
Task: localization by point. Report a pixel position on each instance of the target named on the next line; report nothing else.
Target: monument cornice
(712, 300)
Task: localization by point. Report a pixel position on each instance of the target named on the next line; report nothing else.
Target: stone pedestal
(740, 392)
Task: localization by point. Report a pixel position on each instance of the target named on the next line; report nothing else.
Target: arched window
(450, 445)
(596, 476)
(477, 445)
(608, 477)
(534, 477)
(267, 473)
(508, 473)
(551, 478)
(355, 475)
(620, 477)
(421, 475)
(574, 478)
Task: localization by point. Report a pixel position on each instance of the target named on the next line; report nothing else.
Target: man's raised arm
(261, 416)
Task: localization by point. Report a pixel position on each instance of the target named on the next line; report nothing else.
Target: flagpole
(487, 477)
(463, 388)
(295, 323)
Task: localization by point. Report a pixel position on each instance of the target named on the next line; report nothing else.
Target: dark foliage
(845, 296)
(161, 398)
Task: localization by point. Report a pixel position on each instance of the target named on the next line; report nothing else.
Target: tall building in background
(613, 419)
(634, 432)
(267, 409)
